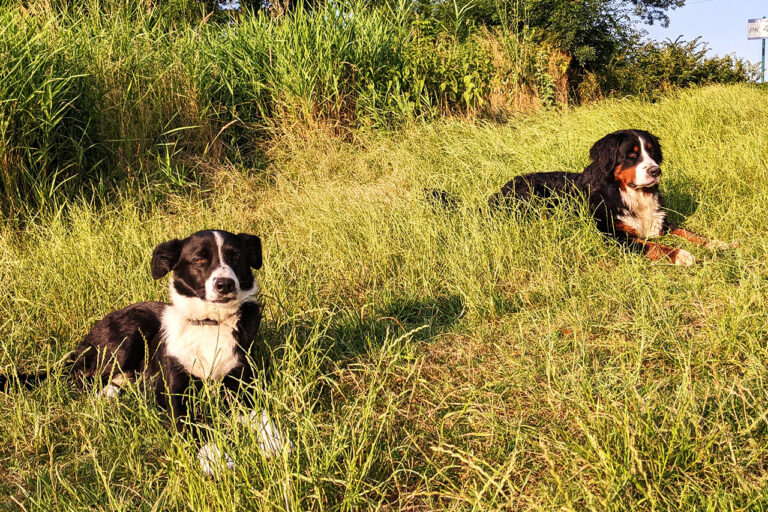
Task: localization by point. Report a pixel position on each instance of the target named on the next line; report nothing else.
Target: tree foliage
(654, 67)
(652, 11)
(592, 31)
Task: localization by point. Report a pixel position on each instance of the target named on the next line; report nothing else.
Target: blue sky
(721, 23)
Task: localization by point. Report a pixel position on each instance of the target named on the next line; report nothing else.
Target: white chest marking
(208, 352)
(644, 214)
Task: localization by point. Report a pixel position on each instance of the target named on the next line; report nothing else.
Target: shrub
(42, 132)
(655, 67)
(88, 98)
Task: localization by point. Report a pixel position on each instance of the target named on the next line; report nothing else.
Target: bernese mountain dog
(622, 186)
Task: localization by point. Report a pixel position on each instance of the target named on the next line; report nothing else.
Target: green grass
(105, 94)
(426, 360)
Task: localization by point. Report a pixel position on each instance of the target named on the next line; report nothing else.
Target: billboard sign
(757, 29)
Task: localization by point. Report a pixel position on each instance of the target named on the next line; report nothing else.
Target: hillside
(425, 360)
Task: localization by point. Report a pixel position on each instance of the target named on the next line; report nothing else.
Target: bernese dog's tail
(441, 199)
(498, 202)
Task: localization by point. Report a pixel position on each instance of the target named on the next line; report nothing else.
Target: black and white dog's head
(211, 271)
(630, 157)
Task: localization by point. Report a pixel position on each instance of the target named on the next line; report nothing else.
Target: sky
(721, 23)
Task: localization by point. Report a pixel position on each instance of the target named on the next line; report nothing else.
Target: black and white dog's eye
(200, 261)
(632, 155)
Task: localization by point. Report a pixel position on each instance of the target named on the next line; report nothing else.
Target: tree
(652, 11)
(594, 31)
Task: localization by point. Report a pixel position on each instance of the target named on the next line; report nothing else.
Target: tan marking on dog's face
(624, 175)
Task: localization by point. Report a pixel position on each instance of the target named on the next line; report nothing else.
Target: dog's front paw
(271, 441)
(683, 258)
(213, 461)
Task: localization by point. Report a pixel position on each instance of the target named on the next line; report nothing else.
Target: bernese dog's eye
(632, 155)
(200, 260)
(235, 257)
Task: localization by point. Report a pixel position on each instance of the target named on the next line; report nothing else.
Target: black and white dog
(206, 334)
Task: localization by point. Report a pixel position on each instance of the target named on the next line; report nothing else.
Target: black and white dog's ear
(252, 245)
(605, 152)
(164, 257)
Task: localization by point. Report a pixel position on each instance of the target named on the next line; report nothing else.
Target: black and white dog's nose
(224, 285)
(654, 172)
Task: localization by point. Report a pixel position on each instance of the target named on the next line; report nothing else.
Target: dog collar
(204, 321)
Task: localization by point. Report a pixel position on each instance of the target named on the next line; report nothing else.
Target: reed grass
(110, 94)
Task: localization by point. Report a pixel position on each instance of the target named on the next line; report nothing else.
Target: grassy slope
(553, 371)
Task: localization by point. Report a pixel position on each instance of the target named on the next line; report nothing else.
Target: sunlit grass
(426, 360)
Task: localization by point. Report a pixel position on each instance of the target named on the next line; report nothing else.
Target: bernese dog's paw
(721, 246)
(271, 441)
(683, 258)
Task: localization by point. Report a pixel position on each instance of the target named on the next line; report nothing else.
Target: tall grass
(87, 99)
(426, 360)
(112, 94)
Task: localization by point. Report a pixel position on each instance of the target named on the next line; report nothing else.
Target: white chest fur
(643, 213)
(207, 352)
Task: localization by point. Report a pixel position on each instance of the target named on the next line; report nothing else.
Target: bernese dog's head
(631, 158)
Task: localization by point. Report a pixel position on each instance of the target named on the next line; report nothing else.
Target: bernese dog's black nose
(654, 172)
(224, 285)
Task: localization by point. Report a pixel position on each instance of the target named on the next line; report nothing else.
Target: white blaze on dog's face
(222, 285)
(639, 161)
(647, 171)
(211, 270)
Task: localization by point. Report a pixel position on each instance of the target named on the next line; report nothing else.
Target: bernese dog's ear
(164, 257)
(605, 152)
(252, 245)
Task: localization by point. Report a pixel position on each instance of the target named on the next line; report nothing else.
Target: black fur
(118, 342)
(24, 380)
(442, 199)
(596, 182)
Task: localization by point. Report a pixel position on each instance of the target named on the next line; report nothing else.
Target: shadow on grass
(355, 334)
(680, 200)
(347, 334)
